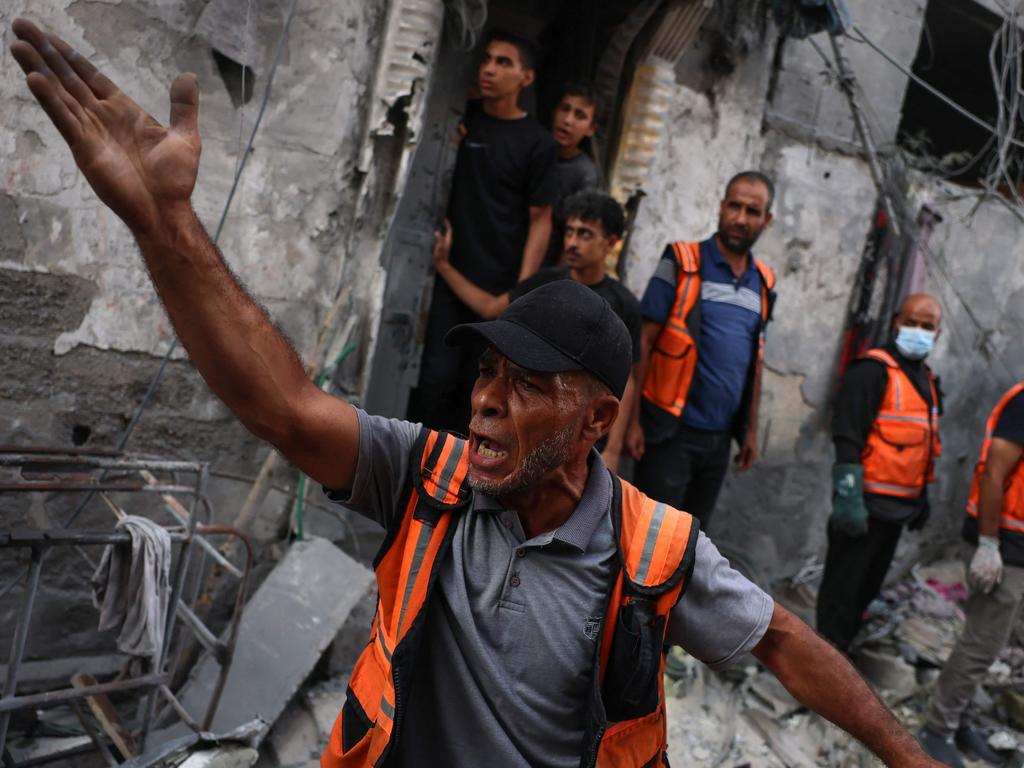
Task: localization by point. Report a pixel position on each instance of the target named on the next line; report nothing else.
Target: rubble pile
(743, 717)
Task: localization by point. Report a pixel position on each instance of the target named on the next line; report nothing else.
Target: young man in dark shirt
(503, 189)
(573, 122)
(594, 223)
(885, 451)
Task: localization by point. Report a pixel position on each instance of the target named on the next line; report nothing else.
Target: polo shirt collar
(594, 505)
(711, 248)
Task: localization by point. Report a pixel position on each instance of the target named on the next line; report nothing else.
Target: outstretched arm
(822, 679)
(145, 172)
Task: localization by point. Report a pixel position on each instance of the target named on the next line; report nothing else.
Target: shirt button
(508, 524)
(514, 581)
(520, 553)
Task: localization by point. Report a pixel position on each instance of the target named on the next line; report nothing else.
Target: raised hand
(141, 169)
(443, 245)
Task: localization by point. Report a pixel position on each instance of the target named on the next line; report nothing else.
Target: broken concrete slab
(285, 628)
(311, 592)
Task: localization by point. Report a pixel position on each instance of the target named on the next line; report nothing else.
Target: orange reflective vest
(900, 452)
(674, 356)
(627, 725)
(1012, 515)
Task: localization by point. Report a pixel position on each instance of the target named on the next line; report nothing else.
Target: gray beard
(550, 454)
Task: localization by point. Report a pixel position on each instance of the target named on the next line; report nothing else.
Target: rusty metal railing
(58, 470)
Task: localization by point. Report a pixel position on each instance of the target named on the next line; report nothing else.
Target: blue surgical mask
(914, 343)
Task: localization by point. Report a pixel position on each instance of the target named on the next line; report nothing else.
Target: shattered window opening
(953, 56)
(238, 78)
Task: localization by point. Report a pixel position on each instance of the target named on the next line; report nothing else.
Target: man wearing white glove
(995, 520)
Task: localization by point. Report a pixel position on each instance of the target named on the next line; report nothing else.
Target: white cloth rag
(132, 587)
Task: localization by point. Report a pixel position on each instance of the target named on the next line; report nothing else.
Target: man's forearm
(229, 338)
(536, 243)
(990, 504)
(617, 433)
(822, 679)
(485, 304)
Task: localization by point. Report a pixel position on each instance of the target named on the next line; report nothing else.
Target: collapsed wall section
(81, 329)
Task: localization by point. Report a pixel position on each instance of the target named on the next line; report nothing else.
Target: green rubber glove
(849, 515)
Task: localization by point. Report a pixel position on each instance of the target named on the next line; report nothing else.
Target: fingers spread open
(185, 104)
(100, 85)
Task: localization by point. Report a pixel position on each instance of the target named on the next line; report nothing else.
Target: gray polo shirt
(505, 668)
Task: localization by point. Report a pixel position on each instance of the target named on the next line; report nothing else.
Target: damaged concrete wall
(81, 330)
(774, 516)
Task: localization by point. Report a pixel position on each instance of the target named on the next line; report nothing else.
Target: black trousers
(441, 400)
(855, 567)
(686, 470)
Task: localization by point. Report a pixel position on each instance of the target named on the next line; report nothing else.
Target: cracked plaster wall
(774, 516)
(81, 330)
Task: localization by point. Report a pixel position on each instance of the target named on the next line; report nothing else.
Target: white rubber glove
(986, 566)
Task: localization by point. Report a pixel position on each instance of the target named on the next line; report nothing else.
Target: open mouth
(490, 450)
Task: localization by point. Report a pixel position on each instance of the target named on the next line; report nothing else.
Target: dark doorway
(572, 36)
(953, 56)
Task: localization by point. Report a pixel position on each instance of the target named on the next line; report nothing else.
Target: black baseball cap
(560, 326)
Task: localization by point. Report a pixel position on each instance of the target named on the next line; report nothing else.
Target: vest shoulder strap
(882, 356)
(436, 486)
(657, 543)
(687, 256)
(444, 464)
(767, 275)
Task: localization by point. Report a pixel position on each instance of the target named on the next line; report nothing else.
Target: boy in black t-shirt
(594, 223)
(503, 189)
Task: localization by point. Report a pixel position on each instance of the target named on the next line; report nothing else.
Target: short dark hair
(586, 90)
(591, 205)
(754, 176)
(525, 46)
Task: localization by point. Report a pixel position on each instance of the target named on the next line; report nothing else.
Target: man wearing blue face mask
(885, 431)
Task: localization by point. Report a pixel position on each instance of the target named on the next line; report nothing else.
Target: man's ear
(529, 75)
(601, 414)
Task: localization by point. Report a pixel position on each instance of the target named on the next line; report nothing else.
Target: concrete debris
(221, 757)
(1003, 741)
(745, 718)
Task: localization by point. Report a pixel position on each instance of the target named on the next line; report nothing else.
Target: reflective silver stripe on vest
(386, 708)
(913, 419)
(422, 541)
(383, 645)
(871, 485)
(650, 541)
(744, 297)
(449, 467)
(899, 394)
